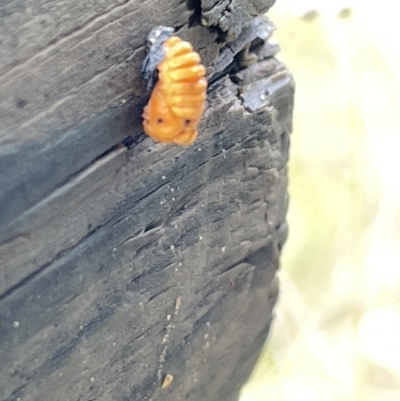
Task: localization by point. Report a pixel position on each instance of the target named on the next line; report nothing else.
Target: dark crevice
(178, 28)
(16, 393)
(128, 346)
(195, 6)
(163, 291)
(119, 221)
(152, 225)
(229, 70)
(231, 267)
(147, 194)
(129, 142)
(221, 38)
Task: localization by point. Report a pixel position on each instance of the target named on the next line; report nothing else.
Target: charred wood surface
(123, 260)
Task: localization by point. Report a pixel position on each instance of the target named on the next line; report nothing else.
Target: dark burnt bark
(123, 260)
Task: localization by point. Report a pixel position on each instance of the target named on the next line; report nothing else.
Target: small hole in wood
(21, 103)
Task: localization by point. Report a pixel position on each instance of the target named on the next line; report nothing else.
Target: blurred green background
(336, 334)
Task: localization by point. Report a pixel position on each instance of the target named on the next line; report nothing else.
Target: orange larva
(178, 99)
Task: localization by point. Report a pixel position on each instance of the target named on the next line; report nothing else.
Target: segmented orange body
(178, 99)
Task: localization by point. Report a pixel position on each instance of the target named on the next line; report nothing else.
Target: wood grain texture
(123, 260)
(61, 97)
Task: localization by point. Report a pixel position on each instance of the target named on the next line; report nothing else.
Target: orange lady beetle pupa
(178, 99)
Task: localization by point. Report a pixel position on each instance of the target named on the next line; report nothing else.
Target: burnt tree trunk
(123, 260)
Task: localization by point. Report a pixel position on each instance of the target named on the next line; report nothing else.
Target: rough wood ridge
(122, 260)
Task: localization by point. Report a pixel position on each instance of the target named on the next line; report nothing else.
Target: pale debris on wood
(168, 379)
